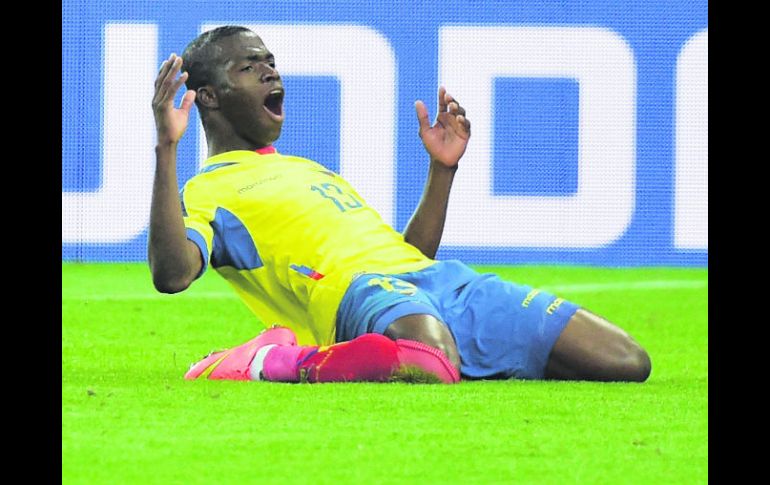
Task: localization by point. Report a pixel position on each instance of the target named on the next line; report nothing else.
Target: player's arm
(174, 260)
(445, 142)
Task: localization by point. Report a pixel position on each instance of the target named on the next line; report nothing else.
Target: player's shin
(370, 357)
(367, 358)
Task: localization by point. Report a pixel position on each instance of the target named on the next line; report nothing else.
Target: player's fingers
(174, 68)
(422, 115)
(160, 92)
(165, 67)
(455, 123)
(465, 124)
(457, 109)
(178, 83)
(441, 99)
(165, 90)
(449, 99)
(187, 101)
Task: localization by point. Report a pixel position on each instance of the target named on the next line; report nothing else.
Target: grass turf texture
(129, 417)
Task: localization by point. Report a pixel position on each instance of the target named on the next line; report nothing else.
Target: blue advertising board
(590, 118)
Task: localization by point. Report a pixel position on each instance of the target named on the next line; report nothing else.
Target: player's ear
(207, 97)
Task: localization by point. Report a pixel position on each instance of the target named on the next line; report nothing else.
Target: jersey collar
(235, 156)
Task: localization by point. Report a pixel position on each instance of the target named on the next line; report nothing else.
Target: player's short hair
(200, 58)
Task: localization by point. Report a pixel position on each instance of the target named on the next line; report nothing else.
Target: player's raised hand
(171, 122)
(446, 140)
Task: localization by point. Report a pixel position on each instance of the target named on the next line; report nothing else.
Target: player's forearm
(170, 258)
(426, 226)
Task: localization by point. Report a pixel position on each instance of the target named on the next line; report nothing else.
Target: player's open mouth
(274, 104)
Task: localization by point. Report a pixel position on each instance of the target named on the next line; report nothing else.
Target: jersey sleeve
(198, 211)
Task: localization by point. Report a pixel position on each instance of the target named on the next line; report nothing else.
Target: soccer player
(349, 297)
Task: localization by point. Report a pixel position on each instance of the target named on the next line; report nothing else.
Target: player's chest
(289, 190)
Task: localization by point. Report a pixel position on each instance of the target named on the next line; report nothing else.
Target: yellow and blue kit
(303, 249)
(289, 235)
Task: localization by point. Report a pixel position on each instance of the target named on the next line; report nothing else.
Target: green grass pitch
(129, 417)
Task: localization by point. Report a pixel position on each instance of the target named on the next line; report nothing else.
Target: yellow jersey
(289, 236)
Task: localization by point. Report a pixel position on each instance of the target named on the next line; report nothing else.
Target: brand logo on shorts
(553, 306)
(528, 299)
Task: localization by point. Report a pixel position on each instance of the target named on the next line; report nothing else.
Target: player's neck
(217, 146)
(223, 137)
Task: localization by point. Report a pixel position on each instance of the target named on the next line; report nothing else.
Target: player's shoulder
(199, 192)
(311, 165)
(215, 167)
(206, 183)
(299, 159)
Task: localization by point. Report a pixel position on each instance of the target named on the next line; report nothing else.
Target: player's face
(252, 99)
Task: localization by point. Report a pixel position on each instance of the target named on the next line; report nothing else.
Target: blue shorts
(502, 329)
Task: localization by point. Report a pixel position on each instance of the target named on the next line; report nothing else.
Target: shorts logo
(393, 284)
(553, 306)
(530, 296)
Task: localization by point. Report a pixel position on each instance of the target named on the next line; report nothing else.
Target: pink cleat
(428, 359)
(234, 363)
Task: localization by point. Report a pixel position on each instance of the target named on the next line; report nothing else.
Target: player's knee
(428, 330)
(448, 347)
(643, 365)
(444, 343)
(635, 365)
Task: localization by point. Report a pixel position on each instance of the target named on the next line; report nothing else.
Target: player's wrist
(165, 143)
(440, 166)
(165, 149)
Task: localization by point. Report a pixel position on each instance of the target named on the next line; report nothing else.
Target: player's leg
(398, 309)
(275, 356)
(426, 329)
(369, 358)
(503, 329)
(375, 357)
(591, 348)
